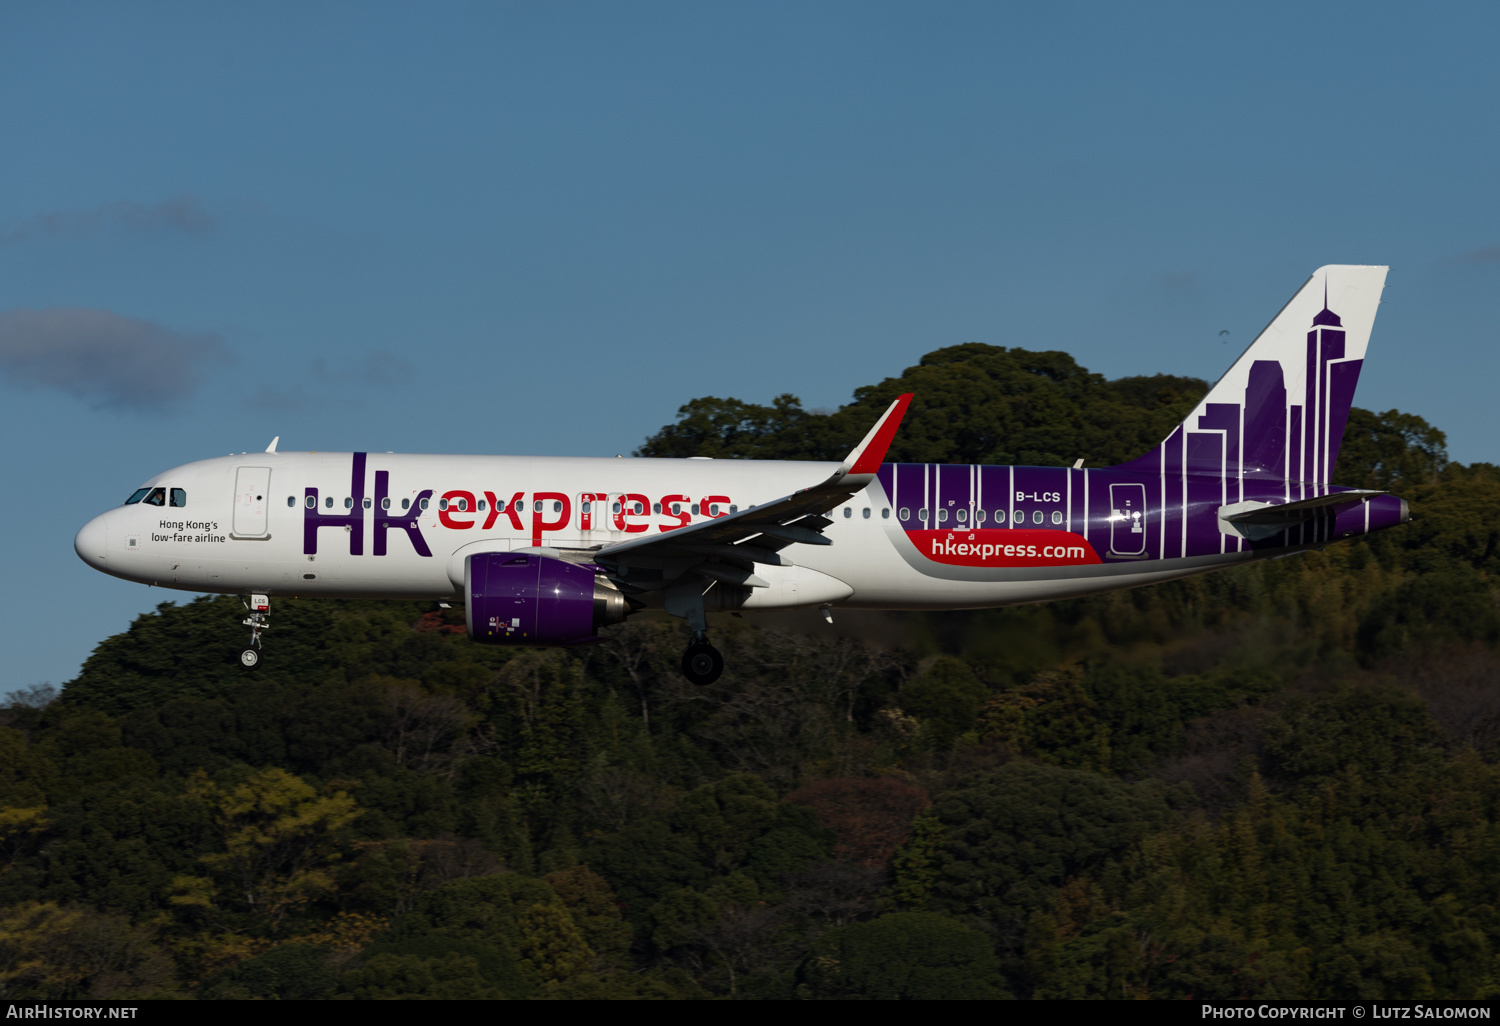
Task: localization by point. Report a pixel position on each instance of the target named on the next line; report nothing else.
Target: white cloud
(110, 360)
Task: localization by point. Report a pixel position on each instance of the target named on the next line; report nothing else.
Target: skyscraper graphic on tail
(1279, 413)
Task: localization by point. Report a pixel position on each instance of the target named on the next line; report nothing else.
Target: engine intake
(523, 599)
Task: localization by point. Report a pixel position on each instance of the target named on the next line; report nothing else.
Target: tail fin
(1279, 412)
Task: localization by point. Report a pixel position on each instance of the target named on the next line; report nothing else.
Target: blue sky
(540, 228)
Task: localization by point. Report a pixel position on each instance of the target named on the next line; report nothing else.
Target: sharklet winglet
(869, 454)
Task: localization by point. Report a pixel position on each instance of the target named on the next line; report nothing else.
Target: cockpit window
(158, 497)
(179, 497)
(136, 496)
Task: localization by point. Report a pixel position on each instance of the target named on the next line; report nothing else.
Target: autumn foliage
(872, 816)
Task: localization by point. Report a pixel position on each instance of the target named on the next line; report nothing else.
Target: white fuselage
(245, 526)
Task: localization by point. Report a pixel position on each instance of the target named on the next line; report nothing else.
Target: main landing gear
(702, 663)
(258, 620)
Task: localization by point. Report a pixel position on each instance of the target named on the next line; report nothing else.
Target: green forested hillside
(1276, 781)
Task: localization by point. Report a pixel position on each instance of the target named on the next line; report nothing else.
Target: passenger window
(310, 502)
(424, 503)
(158, 497)
(694, 509)
(463, 505)
(848, 512)
(348, 502)
(734, 509)
(481, 505)
(1019, 516)
(615, 508)
(656, 507)
(979, 516)
(922, 515)
(904, 515)
(867, 512)
(942, 516)
(713, 509)
(442, 504)
(136, 496)
(328, 502)
(1057, 516)
(385, 503)
(963, 515)
(885, 514)
(1037, 517)
(291, 500)
(406, 504)
(557, 507)
(368, 503)
(179, 497)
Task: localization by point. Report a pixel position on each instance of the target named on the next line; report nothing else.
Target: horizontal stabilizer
(1293, 512)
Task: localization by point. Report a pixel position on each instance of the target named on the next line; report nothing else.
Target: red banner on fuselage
(1005, 547)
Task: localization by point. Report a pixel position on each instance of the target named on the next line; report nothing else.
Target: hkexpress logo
(1002, 547)
(459, 510)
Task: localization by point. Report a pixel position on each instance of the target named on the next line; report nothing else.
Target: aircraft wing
(726, 548)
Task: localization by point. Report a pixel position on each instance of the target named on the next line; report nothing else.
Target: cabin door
(252, 488)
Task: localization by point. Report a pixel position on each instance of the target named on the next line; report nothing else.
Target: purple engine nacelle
(513, 598)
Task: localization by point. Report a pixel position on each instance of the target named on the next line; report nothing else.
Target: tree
(872, 816)
(595, 910)
(974, 403)
(452, 977)
(903, 955)
(1390, 450)
(494, 961)
(278, 838)
(946, 700)
(289, 972)
(1012, 836)
(52, 952)
(551, 948)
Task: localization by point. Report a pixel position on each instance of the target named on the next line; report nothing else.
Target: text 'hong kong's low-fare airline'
(546, 551)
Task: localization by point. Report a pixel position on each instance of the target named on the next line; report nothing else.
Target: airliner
(547, 551)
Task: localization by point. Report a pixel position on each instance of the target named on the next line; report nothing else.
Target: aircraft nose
(92, 541)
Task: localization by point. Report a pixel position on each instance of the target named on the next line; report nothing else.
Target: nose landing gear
(258, 620)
